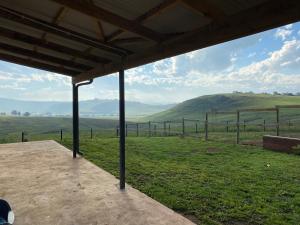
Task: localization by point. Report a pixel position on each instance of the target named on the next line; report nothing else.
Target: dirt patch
(212, 150)
(253, 143)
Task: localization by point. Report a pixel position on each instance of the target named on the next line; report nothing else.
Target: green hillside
(195, 108)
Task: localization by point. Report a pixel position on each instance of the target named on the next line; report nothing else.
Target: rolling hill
(195, 108)
(95, 107)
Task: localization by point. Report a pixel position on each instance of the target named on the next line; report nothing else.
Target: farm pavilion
(86, 39)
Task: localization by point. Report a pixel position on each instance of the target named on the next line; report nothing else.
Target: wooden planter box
(280, 144)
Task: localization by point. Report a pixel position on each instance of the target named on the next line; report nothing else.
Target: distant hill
(195, 108)
(96, 107)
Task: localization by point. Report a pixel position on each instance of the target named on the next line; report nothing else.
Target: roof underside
(91, 38)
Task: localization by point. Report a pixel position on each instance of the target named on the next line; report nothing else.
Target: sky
(264, 62)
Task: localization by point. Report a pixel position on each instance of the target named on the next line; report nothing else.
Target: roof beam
(44, 57)
(68, 34)
(104, 15)
(36, 64)
(205, 7)
(24, 38)
(268, 15)
(150, 13)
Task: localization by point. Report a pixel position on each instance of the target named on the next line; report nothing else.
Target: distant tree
(276, 93)
(3, 113)
(19, 113)
(297, 94)
(26, 114)
(14, 113)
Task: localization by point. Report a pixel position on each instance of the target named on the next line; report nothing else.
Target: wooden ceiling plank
(68, 34)
(24, 38)
(268, 15)
(44, 57)
(36, 64)
(205, 8)
(114, 19)
(150, 13)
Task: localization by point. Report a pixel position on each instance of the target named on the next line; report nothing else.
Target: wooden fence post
(91, 133)
(117, 131)
(196, 128)
(264, 125)
(183, 127)
(137, 129)
(206, 126)
(165, 128)
(61, 134)
(238, 127)
(227, 129)
(169, 129)
(149, 128)
(22, 136)
(277, 121)
(244, 125)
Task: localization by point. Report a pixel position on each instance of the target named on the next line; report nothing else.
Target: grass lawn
(211, 182)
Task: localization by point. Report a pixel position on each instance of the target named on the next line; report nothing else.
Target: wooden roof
(91, 38)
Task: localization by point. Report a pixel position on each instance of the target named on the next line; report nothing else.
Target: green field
(213, 182)
(210, 182)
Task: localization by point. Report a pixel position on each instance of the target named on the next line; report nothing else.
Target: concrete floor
(46, 186)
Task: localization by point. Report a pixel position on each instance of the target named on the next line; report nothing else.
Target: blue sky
(264, 62)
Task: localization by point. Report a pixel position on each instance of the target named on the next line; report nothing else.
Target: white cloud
(284, 32)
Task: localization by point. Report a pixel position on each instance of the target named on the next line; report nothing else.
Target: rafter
(100, 30)
(44, 57)
(128, 40)
(58, 17)
(104, 15)
(268, 15)
(68, 34)
(205, 8)
(24, 38)
(150, 13)
(36, 64)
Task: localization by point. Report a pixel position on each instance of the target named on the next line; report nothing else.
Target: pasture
(210, 182)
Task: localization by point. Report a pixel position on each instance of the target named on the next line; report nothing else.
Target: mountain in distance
(95, 107)
(197, 107)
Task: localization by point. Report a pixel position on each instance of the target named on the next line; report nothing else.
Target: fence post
(289, 124)
(149, 128)
(244, 125)
(22, 136)
(277, 121)
(91, 133)
(61, 134)
(126, 129)
(206, 126)
(137, 129)
(196, 127)
(238, 127)
(227, 128)
(264, 125)
(183, 127)
(117, 131)
(165, 128)
(169, 129)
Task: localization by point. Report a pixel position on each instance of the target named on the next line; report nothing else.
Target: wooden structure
(93, 38)
(281, 144)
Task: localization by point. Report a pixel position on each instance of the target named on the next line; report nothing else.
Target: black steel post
(22, 136)
(75, 121)
(122, 128)
(61, 134)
